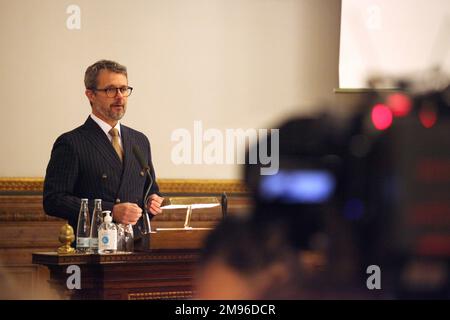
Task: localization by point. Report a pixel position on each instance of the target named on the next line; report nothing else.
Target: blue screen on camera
(298, 186)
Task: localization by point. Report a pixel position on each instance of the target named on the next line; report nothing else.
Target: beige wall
(229, 63)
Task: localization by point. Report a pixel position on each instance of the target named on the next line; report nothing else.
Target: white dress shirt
(106, 127)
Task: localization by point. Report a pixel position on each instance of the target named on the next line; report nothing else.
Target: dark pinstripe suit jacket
(84, 164)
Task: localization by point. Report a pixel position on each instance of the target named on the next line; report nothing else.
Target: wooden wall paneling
(25, 229)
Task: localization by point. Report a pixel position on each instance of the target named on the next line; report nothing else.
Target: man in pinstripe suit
(92, 162)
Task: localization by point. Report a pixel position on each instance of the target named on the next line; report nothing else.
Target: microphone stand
(147, 229)
(145, 214)
(224, 205)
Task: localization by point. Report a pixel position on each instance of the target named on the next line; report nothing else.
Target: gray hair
(90, 76)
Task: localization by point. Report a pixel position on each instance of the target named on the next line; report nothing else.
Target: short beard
(109, 114)
(116, 116)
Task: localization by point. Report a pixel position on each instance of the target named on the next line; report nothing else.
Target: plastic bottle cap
(107, 218)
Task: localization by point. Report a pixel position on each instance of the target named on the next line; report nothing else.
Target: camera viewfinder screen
(298, 186)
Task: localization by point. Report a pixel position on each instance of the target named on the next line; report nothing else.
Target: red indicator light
(381, 117)
(427, 117)
(400, 104)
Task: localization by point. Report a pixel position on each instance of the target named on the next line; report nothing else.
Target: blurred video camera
(385, 170)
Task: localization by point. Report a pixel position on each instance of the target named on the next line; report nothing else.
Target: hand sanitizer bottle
(107, 235)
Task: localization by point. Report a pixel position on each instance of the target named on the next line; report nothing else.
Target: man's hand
(154, 204)
(126, 213)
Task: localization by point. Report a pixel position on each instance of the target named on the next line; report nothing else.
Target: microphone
(140, 158)
(145, 169)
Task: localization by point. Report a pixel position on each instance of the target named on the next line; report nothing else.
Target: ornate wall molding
(191, 186)
(21, 184)
(177, 186)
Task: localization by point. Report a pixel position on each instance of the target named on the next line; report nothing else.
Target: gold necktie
(116, 143)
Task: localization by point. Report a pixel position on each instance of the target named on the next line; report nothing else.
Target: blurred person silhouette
(243, 260)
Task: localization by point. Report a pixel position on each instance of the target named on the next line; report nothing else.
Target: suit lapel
(101, 143)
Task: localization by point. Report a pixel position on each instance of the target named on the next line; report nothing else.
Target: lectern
(160, 274)
(163, 266)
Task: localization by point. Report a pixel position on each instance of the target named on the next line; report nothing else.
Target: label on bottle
(94, 243)
(107, 240)
(83, 242)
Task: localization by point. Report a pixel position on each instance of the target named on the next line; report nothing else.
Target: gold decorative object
(66, 237)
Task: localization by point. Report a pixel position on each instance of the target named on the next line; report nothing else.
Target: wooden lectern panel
(159, 274)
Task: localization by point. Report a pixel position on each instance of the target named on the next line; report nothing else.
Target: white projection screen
(392, 38)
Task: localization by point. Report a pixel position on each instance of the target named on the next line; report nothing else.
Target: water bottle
(97, 220)
(107, 235)
(83, 228)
